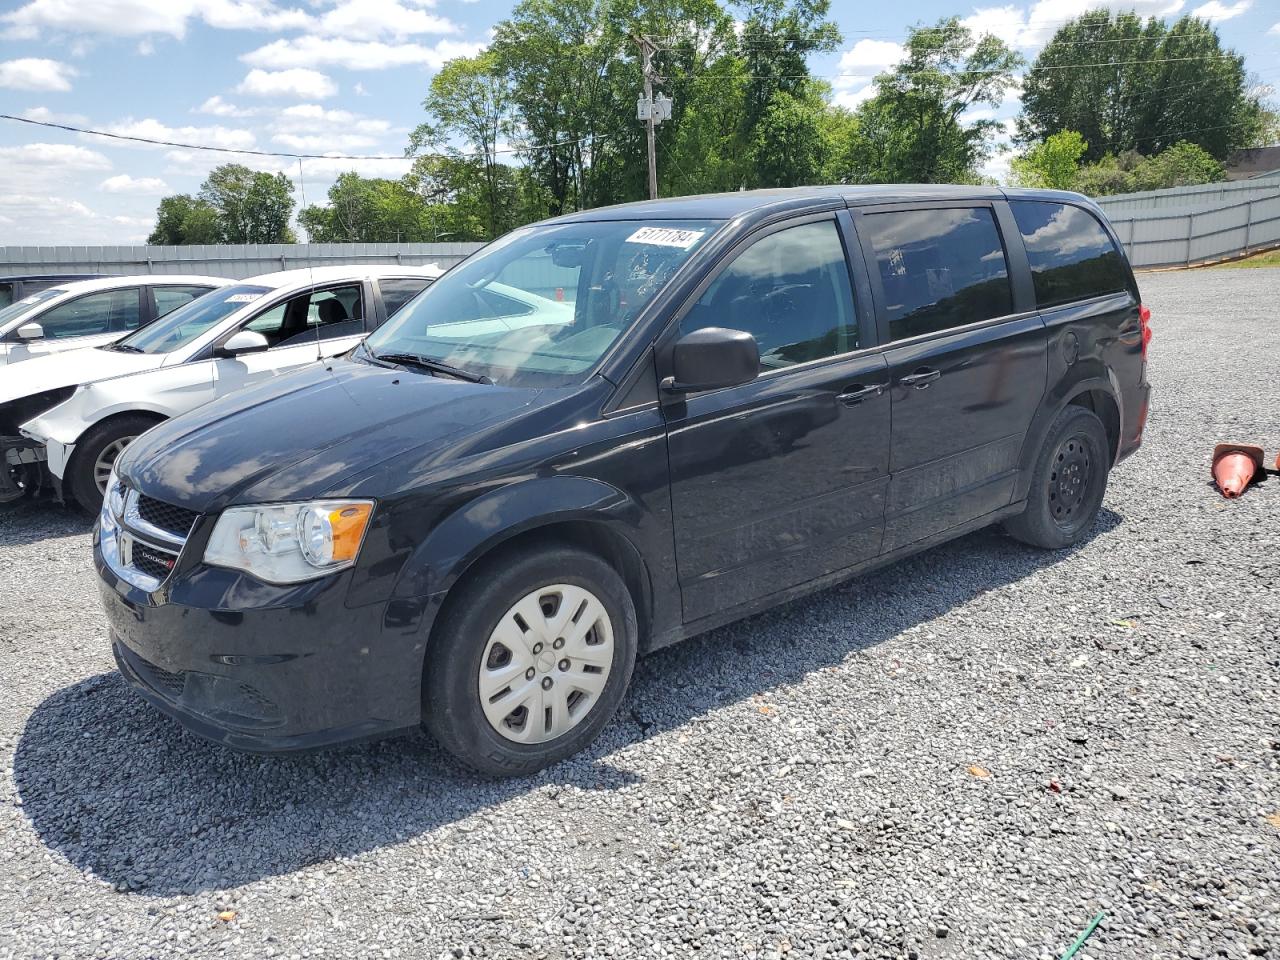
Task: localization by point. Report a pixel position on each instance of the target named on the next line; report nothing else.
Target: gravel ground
(969, 754)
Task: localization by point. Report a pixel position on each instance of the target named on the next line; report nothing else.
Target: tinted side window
(396, 293)
(939, 268)
(1072, 257)
(791, 291)
(112, 311)
(170, 298)
(6, 294)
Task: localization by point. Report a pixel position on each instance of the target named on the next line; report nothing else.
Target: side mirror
(246, 341)
(31, 331)
(712, 358)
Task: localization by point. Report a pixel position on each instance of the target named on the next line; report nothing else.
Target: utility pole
(647, 50)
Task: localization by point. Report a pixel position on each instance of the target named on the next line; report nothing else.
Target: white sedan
(76, 412)
(91, 313)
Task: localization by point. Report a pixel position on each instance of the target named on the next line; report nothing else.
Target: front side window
(312, 316)
(939, 268)
(111, 311)
(1071, 256)
(791, 291)
(189, 322)
(169, 299)
(24, 306)
(540, 306)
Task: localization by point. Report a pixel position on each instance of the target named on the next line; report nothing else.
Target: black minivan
(610, 431)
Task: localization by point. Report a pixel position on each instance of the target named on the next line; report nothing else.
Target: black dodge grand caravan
(610, 431)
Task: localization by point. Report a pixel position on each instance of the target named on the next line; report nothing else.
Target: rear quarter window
(1072, 257)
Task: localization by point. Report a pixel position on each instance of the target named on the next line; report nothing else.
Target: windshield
(15, 310)
(540, 306)
(186, 324)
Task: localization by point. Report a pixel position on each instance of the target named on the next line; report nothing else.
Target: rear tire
(498, 706)
(96, 452)
(1067, 482)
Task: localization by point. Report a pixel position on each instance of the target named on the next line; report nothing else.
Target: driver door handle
(921, 378)
(857, 393)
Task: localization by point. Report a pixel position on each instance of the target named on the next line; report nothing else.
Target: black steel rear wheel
(1067, 482)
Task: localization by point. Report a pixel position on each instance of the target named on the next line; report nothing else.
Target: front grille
(152, 562)
(159, 678)
(175, 520)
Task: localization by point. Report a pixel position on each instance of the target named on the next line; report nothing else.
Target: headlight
(113, 502)
(291, 542)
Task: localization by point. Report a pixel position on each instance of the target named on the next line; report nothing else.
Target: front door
(782, 480)
(967, 366)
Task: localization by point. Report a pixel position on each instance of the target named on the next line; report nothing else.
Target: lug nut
(564, 664)
(537, 648)
(559, 643)
(528, 674)
(546, 683)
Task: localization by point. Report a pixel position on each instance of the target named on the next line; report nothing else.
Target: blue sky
(342, 76)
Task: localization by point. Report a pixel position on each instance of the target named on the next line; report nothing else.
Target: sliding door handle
(921, 378)
(857, 393)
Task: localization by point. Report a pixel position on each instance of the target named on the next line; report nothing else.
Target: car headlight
(290, 542)
(112, 502)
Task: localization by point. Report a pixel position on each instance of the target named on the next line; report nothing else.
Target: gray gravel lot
(806, 783)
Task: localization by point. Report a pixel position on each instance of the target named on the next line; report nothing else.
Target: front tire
(530, 660)
(1067, 482)
(96, 453)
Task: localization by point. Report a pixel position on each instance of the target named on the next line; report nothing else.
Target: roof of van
(725, 206)
(308, 275)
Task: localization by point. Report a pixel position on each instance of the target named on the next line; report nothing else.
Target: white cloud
(324, 142)
(313, 117)
(217, 107)
(1034, 28)
(123, 183)
(34, 73)
(313, 51)
(295, 82)
(152, 129)
(46, 115)
(60, 157)
(856, 97)
(142, 17)
(864, 54)
(1216, 10)
(370, 19)
(146, 48)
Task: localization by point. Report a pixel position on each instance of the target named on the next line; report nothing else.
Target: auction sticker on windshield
(667, 237)
(244, 297)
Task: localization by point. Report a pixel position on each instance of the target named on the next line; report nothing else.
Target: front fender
(487, 521)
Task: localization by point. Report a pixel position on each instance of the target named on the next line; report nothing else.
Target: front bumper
(264, 669)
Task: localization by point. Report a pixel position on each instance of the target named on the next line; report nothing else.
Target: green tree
(788, 145)
(912, 129)
(373, 210)
(1125, 84)
(251, 207)
(1182, 165)
(1053, 164)
(182, 219)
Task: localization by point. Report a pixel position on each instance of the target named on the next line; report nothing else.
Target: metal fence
(236, 261)
(1186, 226)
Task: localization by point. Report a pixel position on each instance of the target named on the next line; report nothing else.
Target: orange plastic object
(1234, 467)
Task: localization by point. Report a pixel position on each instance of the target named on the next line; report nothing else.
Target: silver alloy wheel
(546, 663)
(106, 460)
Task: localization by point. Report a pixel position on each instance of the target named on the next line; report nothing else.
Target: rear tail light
(1144, 317)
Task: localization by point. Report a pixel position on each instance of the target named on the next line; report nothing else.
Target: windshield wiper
(432, 365)
(122, 347)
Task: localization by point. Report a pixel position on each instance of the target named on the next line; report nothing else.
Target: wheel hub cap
(1069, 480)
(546, 664)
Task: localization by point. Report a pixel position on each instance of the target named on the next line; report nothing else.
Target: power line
(280, 153)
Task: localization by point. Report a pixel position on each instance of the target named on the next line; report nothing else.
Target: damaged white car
(66, 418)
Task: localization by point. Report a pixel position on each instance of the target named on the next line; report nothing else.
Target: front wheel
(96, 454)
(1067, 482)
(530, 660)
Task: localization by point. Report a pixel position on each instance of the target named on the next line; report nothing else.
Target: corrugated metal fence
(1191, 225)
(1159, 228)
(229, 260)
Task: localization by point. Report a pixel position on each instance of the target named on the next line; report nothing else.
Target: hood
(70, 369)
(300, 435)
